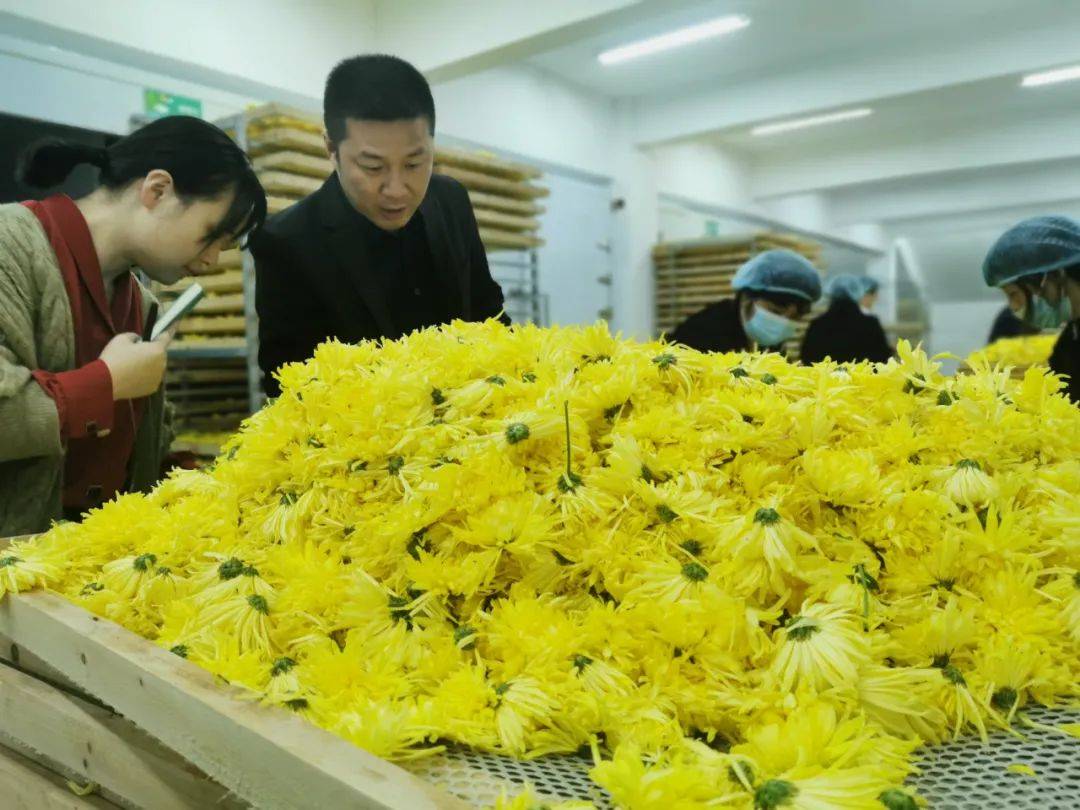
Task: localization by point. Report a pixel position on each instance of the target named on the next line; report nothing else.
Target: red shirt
(99, 434)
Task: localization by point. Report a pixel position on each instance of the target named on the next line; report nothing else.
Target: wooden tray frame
(265, 756)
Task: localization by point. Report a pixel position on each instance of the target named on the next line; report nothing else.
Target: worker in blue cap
(773, 291)
(1036, 263)
(846, 332)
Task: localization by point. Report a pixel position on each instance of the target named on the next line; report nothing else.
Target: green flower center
(281, 666)
(144, 562)
(953, 675)
(695, 572)
(1004, 698)
(666, 513)
(895, 799)
(568, 482)
(517, 432)
(766, 517)
(968, 464)
(774, 793)
(230, 569)
(258, 604)
(665, 360)
(580, 662)
(801, 629)
(465, 637)
(691, 547)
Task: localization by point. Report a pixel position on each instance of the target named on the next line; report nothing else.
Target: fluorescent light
(1066, 74)
(674, 39)
(811, 121)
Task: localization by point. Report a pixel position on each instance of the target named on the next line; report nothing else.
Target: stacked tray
(206, 381)
(289, 154)
(691, 275)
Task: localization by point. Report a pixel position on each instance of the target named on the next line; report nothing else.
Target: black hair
(202, 160)
(802, 306)
(872, 285)
(375, 87)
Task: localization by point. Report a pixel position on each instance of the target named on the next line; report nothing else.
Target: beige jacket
(36, 332)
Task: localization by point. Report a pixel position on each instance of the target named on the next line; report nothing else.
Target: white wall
(53, 85)
(521, 109)
(810, 211)
(961, 327)
(279, 47)
(702, 171)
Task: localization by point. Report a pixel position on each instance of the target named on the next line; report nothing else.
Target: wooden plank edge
(86, 743)
(28, 785)
(264, 755)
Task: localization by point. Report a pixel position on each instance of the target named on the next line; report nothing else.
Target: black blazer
(312, 282)
(716, 328)
(845, 334)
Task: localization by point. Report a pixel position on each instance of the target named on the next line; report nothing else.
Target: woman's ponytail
(203, 161)
(48, 162)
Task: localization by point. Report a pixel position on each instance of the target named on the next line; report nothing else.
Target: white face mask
(769, 329)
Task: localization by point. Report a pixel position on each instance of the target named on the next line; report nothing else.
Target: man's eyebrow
(365, 155)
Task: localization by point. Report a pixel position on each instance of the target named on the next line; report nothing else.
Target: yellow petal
(1019, 767)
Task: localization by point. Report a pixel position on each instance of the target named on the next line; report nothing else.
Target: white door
(575, 262)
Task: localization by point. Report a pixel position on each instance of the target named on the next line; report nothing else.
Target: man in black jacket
(384, 247)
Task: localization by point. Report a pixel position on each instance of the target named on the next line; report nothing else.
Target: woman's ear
(155, 187)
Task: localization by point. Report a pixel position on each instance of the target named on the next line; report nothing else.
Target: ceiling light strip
(674, 39)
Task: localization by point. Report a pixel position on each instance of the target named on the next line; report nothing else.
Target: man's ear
(154, 187)
(331, 151)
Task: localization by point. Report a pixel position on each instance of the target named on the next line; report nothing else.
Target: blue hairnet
(779, 271)
(1034, 246)
(846, 285)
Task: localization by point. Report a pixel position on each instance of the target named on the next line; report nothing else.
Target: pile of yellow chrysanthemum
(738, 582)
(1028, 350)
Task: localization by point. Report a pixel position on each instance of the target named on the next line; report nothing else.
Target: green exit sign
(158, 103)
(712, 227)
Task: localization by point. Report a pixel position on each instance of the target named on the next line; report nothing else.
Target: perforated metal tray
(958, 776)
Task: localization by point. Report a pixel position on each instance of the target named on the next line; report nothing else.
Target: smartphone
(180, 307)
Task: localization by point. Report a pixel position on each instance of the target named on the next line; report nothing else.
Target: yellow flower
(246, 617)
(520, 704)
(24, 567)
(765, 546)
(825, 790)
(128, 575)
(841, 477)
(822, 647)
(969, 484)
(901, 700)
(786, 562)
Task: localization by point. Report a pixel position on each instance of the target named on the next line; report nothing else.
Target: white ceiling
(917, 117)
(782, 35)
